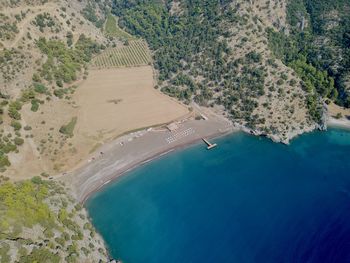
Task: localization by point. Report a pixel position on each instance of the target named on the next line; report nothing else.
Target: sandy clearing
(334, 109)
(109, 103)
(114, 101)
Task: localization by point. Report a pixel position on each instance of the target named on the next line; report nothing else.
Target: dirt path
(22, 26)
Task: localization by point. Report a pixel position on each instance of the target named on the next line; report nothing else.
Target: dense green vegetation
(192, 47)
(39, 223)
(23, 206)
(63, 63)
(318, 46)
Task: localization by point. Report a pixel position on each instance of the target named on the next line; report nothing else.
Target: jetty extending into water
(210, 145)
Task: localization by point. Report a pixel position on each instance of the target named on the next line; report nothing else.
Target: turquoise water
(249, 200)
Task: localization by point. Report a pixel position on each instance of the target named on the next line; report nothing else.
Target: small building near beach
(172, 126)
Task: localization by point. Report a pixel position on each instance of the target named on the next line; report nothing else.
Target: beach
(340, 123)
(343, 121)
(131, 150)
(136, 148)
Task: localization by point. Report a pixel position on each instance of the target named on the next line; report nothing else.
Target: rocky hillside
(326, 45)
(45, 47)
(218, 54)
(22, 24)
(41, 223)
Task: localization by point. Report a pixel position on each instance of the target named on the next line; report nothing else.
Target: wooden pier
(210, 145)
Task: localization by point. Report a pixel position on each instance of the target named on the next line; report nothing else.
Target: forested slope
(319, 41)
(217, 54)
(40, 222)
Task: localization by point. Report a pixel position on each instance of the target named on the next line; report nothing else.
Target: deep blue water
(249, 200)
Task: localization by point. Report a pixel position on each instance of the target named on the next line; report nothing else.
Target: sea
(248, 200)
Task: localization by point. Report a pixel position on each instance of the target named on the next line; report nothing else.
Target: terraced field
(136, 53)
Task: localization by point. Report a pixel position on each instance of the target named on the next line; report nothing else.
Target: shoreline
(155, 157)
(138, 148)
(338, 123)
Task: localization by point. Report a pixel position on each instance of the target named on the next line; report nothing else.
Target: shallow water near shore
(248, 200)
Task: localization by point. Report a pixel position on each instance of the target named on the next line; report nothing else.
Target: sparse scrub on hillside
(44, 20)
(89, 12)
(12, 61)
(8, 28)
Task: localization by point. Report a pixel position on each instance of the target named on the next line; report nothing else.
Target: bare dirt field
(109, 103)
(334, 109)
(112, 102)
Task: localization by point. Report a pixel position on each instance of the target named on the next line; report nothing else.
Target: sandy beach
(343, 121)
(136, 148)
(340, 123)
(127, 152)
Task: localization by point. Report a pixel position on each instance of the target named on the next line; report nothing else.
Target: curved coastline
(135, 149)
(251, 187)
(138, 148)
(135, 165)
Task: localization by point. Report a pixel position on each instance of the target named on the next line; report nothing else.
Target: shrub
(27, 95)
(18, 141)
(40, 88)
(35, 105)
(339, 115)
(59, 93)
(14, 114)
(14, 107)
(69, 128)
(4, 161)
(16, 125)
